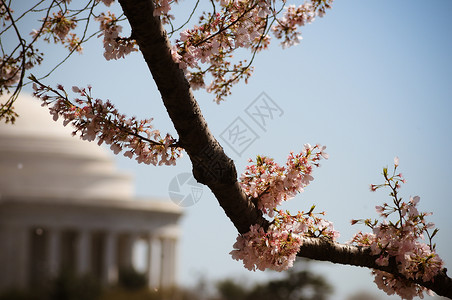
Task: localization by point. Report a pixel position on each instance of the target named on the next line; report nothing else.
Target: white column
(153, 266)
(110, 267)
(21, 256)
(174, 264)
(173, 274)
(53, 252)
(83, 252)
(168, 265)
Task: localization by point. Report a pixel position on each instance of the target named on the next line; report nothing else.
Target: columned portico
(65, 207)
(23, 264)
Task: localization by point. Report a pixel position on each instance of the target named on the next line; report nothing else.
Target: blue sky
(371, 80)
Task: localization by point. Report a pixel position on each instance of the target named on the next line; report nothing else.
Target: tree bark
(211, 166)
(324, 249)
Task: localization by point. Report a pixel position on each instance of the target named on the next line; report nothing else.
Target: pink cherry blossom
(94, 119)
(277, 247)
(401, 238)
(272, 184)
(106, 2)
(238, 24)
(115, 46)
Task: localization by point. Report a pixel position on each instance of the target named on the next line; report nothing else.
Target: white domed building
(64, 206)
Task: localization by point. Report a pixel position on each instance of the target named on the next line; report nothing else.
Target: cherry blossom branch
(94, 119)
(324, 249)
(59, 29)
(9, 72)
(223, 29)
(239, 25)
(400, 242)
(32, 9)
(74, 47)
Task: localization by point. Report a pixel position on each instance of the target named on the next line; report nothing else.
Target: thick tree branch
(211, 166)
(324, 249)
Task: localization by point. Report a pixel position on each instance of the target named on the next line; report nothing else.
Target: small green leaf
(435, 232)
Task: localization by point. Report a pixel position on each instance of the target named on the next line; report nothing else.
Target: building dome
(39, 158)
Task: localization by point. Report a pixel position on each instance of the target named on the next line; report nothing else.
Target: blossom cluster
(268, 185)
(272, 184)
(115, 46)
(57, 29)
(217, 31)
(294, 17)
(95, 119)
(391, 284)
(401, 238)
(106, 2)
(238, 24)
(162, 8)
(13, 67)
(5, 12)
(276, 248)
(22, 58)
(9, 72)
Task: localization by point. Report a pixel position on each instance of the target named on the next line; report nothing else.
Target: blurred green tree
(298, 283)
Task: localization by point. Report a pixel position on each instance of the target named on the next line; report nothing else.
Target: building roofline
(134, 204)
